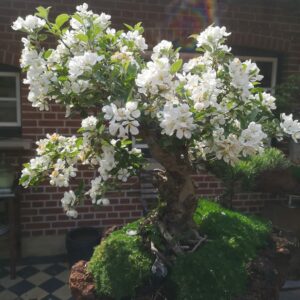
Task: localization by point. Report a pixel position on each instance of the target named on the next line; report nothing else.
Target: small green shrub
(120, 264)
(216, 271)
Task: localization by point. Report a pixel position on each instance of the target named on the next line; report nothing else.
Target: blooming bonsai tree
(188, 113)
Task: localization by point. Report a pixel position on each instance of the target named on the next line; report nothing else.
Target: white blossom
(267, 100)
(155, 78)
(243, 75)
(30, 23)
(290, 126)
(68, 202)
(83, 63)
(103, 201)
(123, 120)
(123, 175)
(136, 38)
(161, 49)
(177, 119)
(213, 37)
(251, 139)
(89, 123)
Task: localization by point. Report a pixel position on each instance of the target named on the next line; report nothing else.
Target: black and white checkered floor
(36, 282)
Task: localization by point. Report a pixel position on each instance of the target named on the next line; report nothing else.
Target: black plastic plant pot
(80, 243)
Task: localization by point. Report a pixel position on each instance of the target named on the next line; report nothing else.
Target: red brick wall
(265, 25)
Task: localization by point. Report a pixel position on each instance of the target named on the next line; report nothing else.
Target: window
(10, 113)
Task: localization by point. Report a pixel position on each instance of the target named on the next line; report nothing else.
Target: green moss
(217, 270)
(120, 264)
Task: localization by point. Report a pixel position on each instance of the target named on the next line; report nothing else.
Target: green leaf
(23, 179)
(77, 18)
(42, 37)
(193, 36)
(47, 53)
(61, 20)
(129, 27)
(82, 37)
(176, 66)
(43, 12)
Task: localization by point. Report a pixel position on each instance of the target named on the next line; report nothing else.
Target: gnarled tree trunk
(175, 186)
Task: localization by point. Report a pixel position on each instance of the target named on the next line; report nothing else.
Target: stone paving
(291, 290)
(36, 282)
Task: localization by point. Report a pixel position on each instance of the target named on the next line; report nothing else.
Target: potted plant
(209, 108)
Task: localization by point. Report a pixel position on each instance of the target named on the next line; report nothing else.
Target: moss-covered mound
(120, 263)
(216, 271)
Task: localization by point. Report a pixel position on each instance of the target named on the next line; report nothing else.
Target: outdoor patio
(50, 282)
(36, 282)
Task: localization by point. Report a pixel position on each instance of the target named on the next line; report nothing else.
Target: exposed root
(170, 240)
(191, 246)
(197, 245)
(159, 254)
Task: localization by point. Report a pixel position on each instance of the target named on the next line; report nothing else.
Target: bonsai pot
(80, 243)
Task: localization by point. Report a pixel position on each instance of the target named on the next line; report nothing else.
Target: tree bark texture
(175, 185)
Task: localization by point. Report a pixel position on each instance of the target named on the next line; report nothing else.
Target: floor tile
(8, 295)
(7, 282)
(51, 297)
(35, 294)
(39, 278)
(51, 285)
(42, 267)
(27, 271)
(64, 276)
(21, 287)
(63, 292)
(3, 272)
(55, 269)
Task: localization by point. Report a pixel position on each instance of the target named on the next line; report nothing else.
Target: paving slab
(291, 284)
(290, 295)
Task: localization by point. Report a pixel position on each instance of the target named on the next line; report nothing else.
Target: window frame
(16, 99)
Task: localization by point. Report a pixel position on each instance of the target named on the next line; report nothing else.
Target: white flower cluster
(231, 148)
(243, 74)
(102, 20)
(54, 145)
(61, 174)
(69, 201)
(251, 139)
(39, 77)
(177, 119)
(29, 24)
(123, 120)
(89, 123)
(82, 63)
(290, 126)
(96, 190)
(107, 162)
(136, 38)
(34, 168)
(204, 89)
(213, 37)
(267, 100)
(155, 78)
